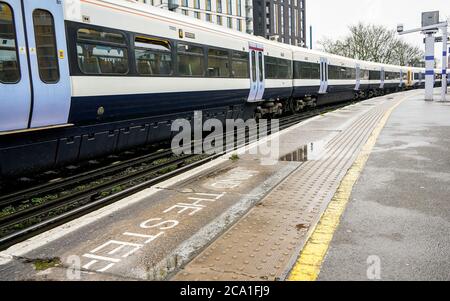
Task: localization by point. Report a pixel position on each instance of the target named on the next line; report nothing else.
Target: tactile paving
(265, 243)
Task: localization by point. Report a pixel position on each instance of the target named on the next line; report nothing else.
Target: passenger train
(82, 81)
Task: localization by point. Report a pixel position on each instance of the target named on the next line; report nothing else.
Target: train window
(9, 64)
(314, 70)
(254, 66)
(364, 74)
(277, 68)
(375, 75)
(296, 69)
(261, 67)
(218, 63)
(284, 69)
(101, 52)
(271, 67)
(239, 64)
(334, 72)
(350, 73)
(389, 75)
(306, 70)
(341, 73)
(153, 56)
(416, 76)
(190, 60)
(47, 56)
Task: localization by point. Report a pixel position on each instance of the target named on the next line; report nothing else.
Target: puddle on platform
(312, 151)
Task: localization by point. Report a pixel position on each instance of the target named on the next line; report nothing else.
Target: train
(88, 78)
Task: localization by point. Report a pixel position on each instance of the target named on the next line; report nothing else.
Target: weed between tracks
(234, 157)
(44, 264)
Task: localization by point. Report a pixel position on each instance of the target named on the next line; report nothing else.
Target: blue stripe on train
(118, 107)
(84, 110)
(274, 93)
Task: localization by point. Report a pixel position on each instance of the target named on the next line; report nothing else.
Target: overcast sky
(331, 18)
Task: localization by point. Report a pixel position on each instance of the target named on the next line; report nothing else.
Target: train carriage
(341, 79)
(307, 77)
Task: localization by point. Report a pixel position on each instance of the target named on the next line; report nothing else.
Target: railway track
(33, 210)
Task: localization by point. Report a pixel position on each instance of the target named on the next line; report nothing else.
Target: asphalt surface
(396, 225)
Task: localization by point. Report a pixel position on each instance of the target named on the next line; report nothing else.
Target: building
(281, 20)
(228, 13)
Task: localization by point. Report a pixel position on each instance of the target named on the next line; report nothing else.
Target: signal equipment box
(430, 18)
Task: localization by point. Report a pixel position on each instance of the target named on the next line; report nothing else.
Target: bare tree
(375, 43)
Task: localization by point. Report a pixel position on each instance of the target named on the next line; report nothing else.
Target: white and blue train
(78, 82)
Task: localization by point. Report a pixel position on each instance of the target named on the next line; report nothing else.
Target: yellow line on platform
(307, 267)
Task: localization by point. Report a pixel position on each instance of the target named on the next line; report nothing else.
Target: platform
(399, 211)
(227, 220)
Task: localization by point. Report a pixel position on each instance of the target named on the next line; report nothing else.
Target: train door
(358, 77)
(15, 91)
(323, 75)
(401, 79)
(45, 31)
(261, 74)
(410, 78)
(382, 75)
(257, 77)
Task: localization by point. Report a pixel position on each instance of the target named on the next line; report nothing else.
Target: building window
(276, 28)
(197, 15)
(239, 7)
(101, 52)
(184, 3)
(219, 20)
(208, 5)
(229, 7)
(230, 22)
(239, 25)
(219, 6)
(218, 65)
(197, 4)
(190, 60)
(185, 12)
(153, 56)
(47, 54)
(9, 64)
(208, 18)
